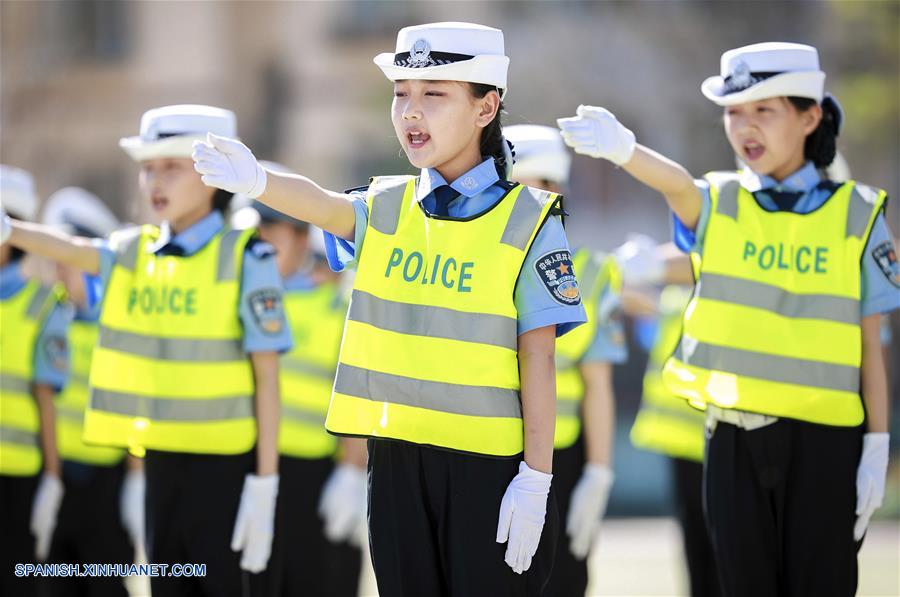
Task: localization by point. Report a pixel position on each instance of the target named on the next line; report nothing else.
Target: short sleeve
(51, 354)
(608, 345)
(95, 285)
(538, 301)
(262, 302)
(880, 274)
(340, 253)
(692, 240)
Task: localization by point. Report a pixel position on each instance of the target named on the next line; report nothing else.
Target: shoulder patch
(268, 310)
(885, 257)
(557, 274)
(56, 348)
(260, 248)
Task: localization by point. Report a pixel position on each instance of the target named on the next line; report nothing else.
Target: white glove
(870, 479)
(597, 133)
(229, 164)
(640, 261)
(522, 513)
(587, 508)
(342, 505)
(5, 226)
(255, 524)
(44, 509)
(131, 505)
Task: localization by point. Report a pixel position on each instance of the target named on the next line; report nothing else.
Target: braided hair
(821, 144)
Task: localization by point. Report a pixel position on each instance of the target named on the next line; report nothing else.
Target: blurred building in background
(76, 75)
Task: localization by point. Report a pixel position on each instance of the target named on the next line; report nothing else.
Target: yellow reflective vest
(666, 423)
(316, 317)
(595, 272)
(774, 324)
(169, 371)
(22, 316)
(430, 349)
(72, 401)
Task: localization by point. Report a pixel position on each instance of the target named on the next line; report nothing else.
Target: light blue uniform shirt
(534, 302)
(259, 275)
(51, 350)
(608, 345)
(878, 279)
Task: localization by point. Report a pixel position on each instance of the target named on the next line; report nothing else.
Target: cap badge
(740, 76)
(419, 54)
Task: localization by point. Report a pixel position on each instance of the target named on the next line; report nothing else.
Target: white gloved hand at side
(522, 513)
(131, 505)
(587, 508)
(44, 509)
(343, 503)
(255, 524)
(229, 164)
(870, 479)
(596, 132)
(5, 226)
(640, 261)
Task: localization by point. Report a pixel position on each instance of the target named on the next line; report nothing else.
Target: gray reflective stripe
(769, 367)
(727, 204)
(10, 435)
(385, 214)
(475, 401)
(171, 349)
(127, 251)
(37, 302)
(224, 408)
(436, 322)
(300, 367)
(862, 200)
(777, 300)
(225, 270)
(524, 218)
(301, 415)
(64, 411)
(14, 383)
(568, 408)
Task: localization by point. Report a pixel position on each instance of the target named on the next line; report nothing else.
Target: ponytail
(821, 144)
(492, 142)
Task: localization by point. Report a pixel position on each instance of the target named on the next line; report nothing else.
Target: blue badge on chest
(886, 258)
(556, 272)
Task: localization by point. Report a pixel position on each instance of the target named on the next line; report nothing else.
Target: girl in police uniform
(183, 305)
(585, 407)
(33, 367)
(781, 339)
(463, 282)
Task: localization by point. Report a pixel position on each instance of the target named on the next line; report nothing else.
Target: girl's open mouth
(753, 150)
(417, 139)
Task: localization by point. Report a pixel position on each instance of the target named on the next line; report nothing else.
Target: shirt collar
(11, 279)
(803, 180)
(192, 239)
(469, 184)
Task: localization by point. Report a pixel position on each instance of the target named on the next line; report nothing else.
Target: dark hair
(821, 144)
(492, 136)
(15, 254)
(222, 200)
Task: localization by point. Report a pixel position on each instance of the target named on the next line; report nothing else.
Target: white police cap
(80, 212)
(765, 70)
(448, 52)
(170, 131)
(17, 194)
(540, 153)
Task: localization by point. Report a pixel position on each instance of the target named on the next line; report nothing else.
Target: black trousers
(303, 561)
(89, 530)
(433, 518)
(16, 540)
(687, 477)
(570, 575)
(191, 505)
(780, 503)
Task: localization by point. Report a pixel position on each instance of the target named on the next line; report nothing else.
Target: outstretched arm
(229, 164)
(74, 251)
